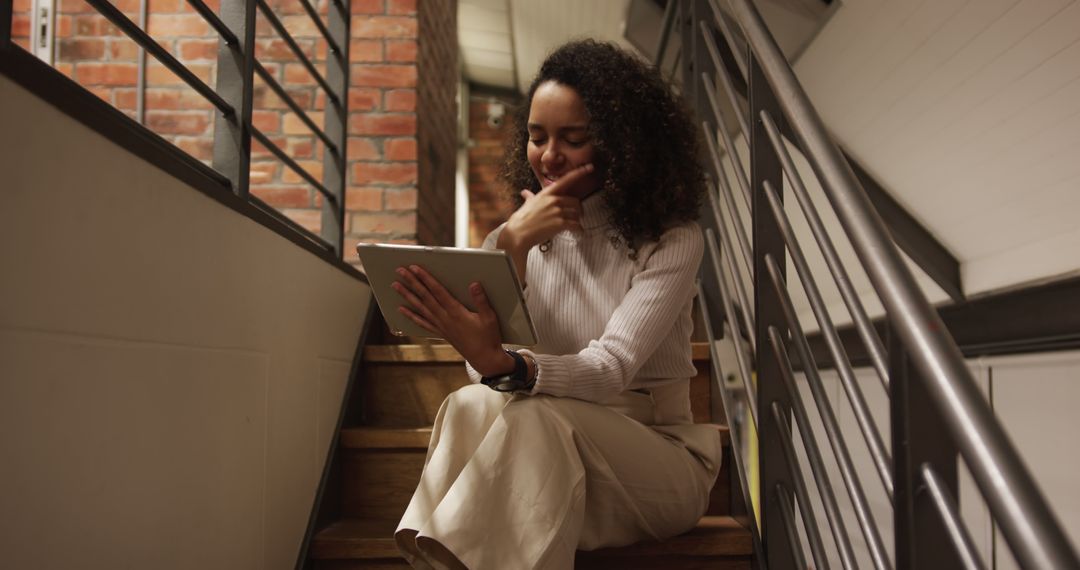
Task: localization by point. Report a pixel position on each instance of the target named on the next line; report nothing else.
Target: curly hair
(645, 142)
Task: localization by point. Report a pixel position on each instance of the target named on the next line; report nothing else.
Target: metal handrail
(729, 413)
(114, 15)
(869, 336)
(1023, 514)
(832, 427)
(725, 193)
(813, 453)
(947, 509)
(870, 433)
(729, 311)
(268, 79)
(813, 535)
(275, 23)
(211, 18)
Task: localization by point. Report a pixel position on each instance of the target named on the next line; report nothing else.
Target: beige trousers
(519, 482)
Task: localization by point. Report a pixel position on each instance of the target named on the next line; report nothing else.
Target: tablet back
(455, 268)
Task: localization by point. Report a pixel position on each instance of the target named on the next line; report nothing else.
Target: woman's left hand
(475, 335)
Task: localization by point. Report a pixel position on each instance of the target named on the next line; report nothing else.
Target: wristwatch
(513, 381)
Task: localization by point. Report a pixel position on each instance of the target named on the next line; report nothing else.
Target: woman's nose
(552, 155)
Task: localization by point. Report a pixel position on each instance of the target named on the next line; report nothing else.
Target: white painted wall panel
(170, 368)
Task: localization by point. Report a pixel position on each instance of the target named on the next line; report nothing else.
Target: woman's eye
(537, 141)
(578, 144)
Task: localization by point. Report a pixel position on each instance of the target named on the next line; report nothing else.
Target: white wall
(1035, 397)
(170, 371)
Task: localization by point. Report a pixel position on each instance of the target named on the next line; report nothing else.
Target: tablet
(456, 268)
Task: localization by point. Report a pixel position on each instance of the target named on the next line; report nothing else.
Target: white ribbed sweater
(607, 323)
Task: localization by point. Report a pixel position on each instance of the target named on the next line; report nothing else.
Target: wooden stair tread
(418, 438)
(373, 539)
(385, 438)
(428, 353)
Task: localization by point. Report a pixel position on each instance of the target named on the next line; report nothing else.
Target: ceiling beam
(1033, 319)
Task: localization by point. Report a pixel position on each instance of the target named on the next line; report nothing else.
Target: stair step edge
(714, 536)
(385, 438)
(436, 353)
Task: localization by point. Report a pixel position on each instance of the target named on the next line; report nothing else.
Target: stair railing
(937, 412)
(232, 98)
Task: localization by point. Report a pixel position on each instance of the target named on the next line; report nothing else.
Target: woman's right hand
(554, 209)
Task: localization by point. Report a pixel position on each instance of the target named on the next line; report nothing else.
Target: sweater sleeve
(646, 315)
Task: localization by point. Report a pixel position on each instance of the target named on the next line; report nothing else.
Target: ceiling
(966, 111)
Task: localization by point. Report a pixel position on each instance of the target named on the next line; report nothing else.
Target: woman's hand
(554, 209)
(475, 335)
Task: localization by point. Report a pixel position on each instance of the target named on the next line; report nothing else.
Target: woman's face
(559, 140)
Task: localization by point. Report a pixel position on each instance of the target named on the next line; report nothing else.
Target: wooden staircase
(381, 455)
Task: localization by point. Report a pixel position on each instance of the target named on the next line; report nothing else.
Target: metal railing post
(919, 437)
(235, 78)
(765, 166)
(6, 15)
(685, 24)
(336, 124)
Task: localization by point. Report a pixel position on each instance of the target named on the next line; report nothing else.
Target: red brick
(169, 6)
(123, 50)
(63, 26)
(82, 48)
(259, 151)
(360, 148)
(67, 69)
(366, 75)
(400, 149)
(130, 8)
(159, 75)
(106, 73)
(177, 25)
(283, 196)
(312, 167)
(74, 7)
(124, 98)
(401, 100)
(401, 199)
(89, 25)
(275, 49)
(382, 125)
(361, 99)
(21, 6)
(383, 27)
(263, 172)
(401, 7)
(20, 26)
(383, 173)
(400, 50)
(264, 98)
(308, 219)
(198, 49)
(365, 51)
(170, 98)
(294, 126)
(367, 7)
(358, 199)
(301, 25)
(300, 147)
(297, 74)
(178, 122)
(201, 148)
(384, 223)
(268, 122)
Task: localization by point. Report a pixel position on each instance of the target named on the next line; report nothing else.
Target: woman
(594, 447)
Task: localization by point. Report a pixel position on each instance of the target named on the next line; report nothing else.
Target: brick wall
(489, 200)
(393, 42)
(437, 116)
